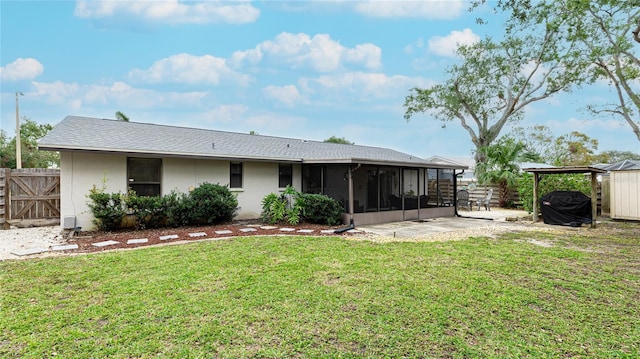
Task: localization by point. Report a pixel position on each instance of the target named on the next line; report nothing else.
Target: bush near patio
(294, 207)
(207, 204)
(550, 183)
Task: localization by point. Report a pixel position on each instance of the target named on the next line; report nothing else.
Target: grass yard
(331, 297)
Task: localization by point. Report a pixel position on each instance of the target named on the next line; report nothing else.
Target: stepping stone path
(104, 244)
(138, 241)
(66, 247)
(29, 251)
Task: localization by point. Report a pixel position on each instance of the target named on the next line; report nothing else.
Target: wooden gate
(30, 196)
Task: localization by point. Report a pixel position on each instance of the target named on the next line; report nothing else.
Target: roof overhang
(362, 161)
(565, 169)
(227, 157)
(224, 157)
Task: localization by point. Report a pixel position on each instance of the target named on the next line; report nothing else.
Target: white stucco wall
(81, 171)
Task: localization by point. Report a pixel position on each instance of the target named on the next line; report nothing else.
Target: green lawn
(331, 297)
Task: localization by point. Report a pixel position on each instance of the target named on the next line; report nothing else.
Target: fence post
(7, 199)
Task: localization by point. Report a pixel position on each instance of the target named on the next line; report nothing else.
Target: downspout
(455, 192)
(350, 175)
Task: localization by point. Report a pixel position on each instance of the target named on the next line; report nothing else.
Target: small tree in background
(342, 140)
(121, 117)
(501, 166)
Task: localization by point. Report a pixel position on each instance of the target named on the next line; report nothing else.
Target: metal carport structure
(539, 172)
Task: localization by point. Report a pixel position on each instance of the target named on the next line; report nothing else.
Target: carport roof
(565, 169)
(76, 133)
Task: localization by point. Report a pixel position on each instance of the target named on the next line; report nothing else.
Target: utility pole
(18, 145)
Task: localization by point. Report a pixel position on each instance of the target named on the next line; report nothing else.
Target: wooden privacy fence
(513, 196)
(29, 196)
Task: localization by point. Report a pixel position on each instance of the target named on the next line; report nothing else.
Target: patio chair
(463, 199)
(443, 201)
(486, 201)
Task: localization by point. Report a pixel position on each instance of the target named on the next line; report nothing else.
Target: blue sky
(298, 69)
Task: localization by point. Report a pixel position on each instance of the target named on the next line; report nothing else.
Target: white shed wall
(625, 194)
(81, 171)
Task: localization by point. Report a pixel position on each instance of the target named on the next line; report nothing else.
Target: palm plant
(501, 167)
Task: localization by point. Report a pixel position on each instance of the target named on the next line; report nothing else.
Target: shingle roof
(92, 134)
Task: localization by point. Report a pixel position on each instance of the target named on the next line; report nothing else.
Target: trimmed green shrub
(207, 204)
(213, 203)
(550, 183)
(321, 209)
(149, 212)
(108, 209)
(178, 209)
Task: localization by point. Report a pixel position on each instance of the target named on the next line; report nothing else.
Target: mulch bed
(86, 240)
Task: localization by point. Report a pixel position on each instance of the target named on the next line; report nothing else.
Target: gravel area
(26, 238)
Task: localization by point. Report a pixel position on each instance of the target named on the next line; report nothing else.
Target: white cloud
(447, 45)
(319, 53)
(431, 9)
(21, 69)
(418, 44)
(226, 114)
(287, 95)
(117, 95)
(240, 118)
(365, 86)
(190, 69)
(170, 11)
(584, 125)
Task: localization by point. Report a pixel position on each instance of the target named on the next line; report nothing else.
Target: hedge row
(207, 204)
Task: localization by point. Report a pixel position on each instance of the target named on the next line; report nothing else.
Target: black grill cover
(567, 208)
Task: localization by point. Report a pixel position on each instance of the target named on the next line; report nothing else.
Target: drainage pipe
(342, 230)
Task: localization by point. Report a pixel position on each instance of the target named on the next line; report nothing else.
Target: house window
(285, 176)
(144, 175)
(235, 177)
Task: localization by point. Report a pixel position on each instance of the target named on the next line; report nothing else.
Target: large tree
(571, 149)
(30, 133)
(495, 80)
(604, 32)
